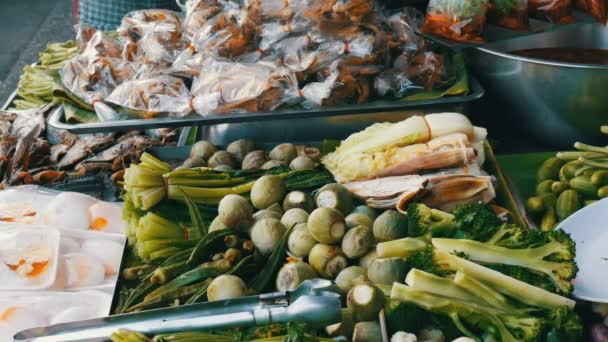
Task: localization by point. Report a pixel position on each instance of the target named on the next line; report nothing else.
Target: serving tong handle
(316, 302)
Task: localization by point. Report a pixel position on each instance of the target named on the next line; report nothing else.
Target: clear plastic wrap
(225, 86)
(335, 14)
(409, 74)
(402, 37)
(229, 34)
(457, 20)
(278, 9)
(95, 44)
(147, 98)
(93, 79)
(596, 8)
(353, 84)
(198, 12)
(511, 14)
(274, 31)
(553, 11)
(154, 35)
(24, 310)
(28, 257)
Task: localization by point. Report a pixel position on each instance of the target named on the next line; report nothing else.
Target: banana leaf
(77, 114)
(461, 87)
(506, 196)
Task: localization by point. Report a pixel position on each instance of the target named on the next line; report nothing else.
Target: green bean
(259, 283)
(171, 295)
(573, 155)
(593, 163)
(198, 336)
(133, 273)
(163, 253)
(590, 148)
(163, 274)
(141, 290)
(206, 270)
(202, 248)
(195, 217)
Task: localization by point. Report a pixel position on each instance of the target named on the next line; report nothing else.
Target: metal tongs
(315, 302)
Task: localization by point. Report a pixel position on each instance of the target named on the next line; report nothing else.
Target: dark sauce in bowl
(567, 55)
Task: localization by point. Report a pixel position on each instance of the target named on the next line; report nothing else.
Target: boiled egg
(106, 217)
(83, 270)
(109, 252)
(69, 210)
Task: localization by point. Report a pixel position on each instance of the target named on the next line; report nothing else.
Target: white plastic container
(24, 310)
(28, 257)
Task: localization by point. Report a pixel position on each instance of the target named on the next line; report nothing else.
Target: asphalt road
(26, 26)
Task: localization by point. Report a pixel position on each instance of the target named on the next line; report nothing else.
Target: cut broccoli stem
(533, 258)
(400, 248)
(512, 287)
(510, 327)
(426, 282)
(484, 292)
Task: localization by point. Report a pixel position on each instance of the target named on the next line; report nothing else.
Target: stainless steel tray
(317, 128)
(57, 118)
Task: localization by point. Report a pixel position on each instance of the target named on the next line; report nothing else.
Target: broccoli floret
(526, 275)
(471, 318)
(476, 221)
(551, 254)
(565, 325)
(425, 220)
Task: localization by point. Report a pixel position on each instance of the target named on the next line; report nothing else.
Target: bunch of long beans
(287, 333)
(184, 277)
(36, 83)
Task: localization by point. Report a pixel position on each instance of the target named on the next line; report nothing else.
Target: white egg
(76, 313)
(69, 210)
(107, 217)
(109, 252)
(83, 270)
(68, 245)
(19, 318)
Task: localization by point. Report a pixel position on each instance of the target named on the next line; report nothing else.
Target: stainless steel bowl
(557, 103)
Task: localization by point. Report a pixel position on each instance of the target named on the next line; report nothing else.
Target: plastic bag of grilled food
(274, 31)
(224, 86)
(91, 79)
(153, 36)
(553, 11)
(411, 73)
(455, 19)
(401, 35)
(511, 14)
(229, 34)
(146, 98)
(93, 44)
(334, 15)
(598, 9)
(198, 12)
(342, 83)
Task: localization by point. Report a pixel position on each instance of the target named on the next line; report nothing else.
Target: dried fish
(27, 120)
(83, 148)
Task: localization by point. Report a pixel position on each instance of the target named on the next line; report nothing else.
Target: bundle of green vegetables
(291, 332)
(568, 182)
(36, 83)
(467, 272)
